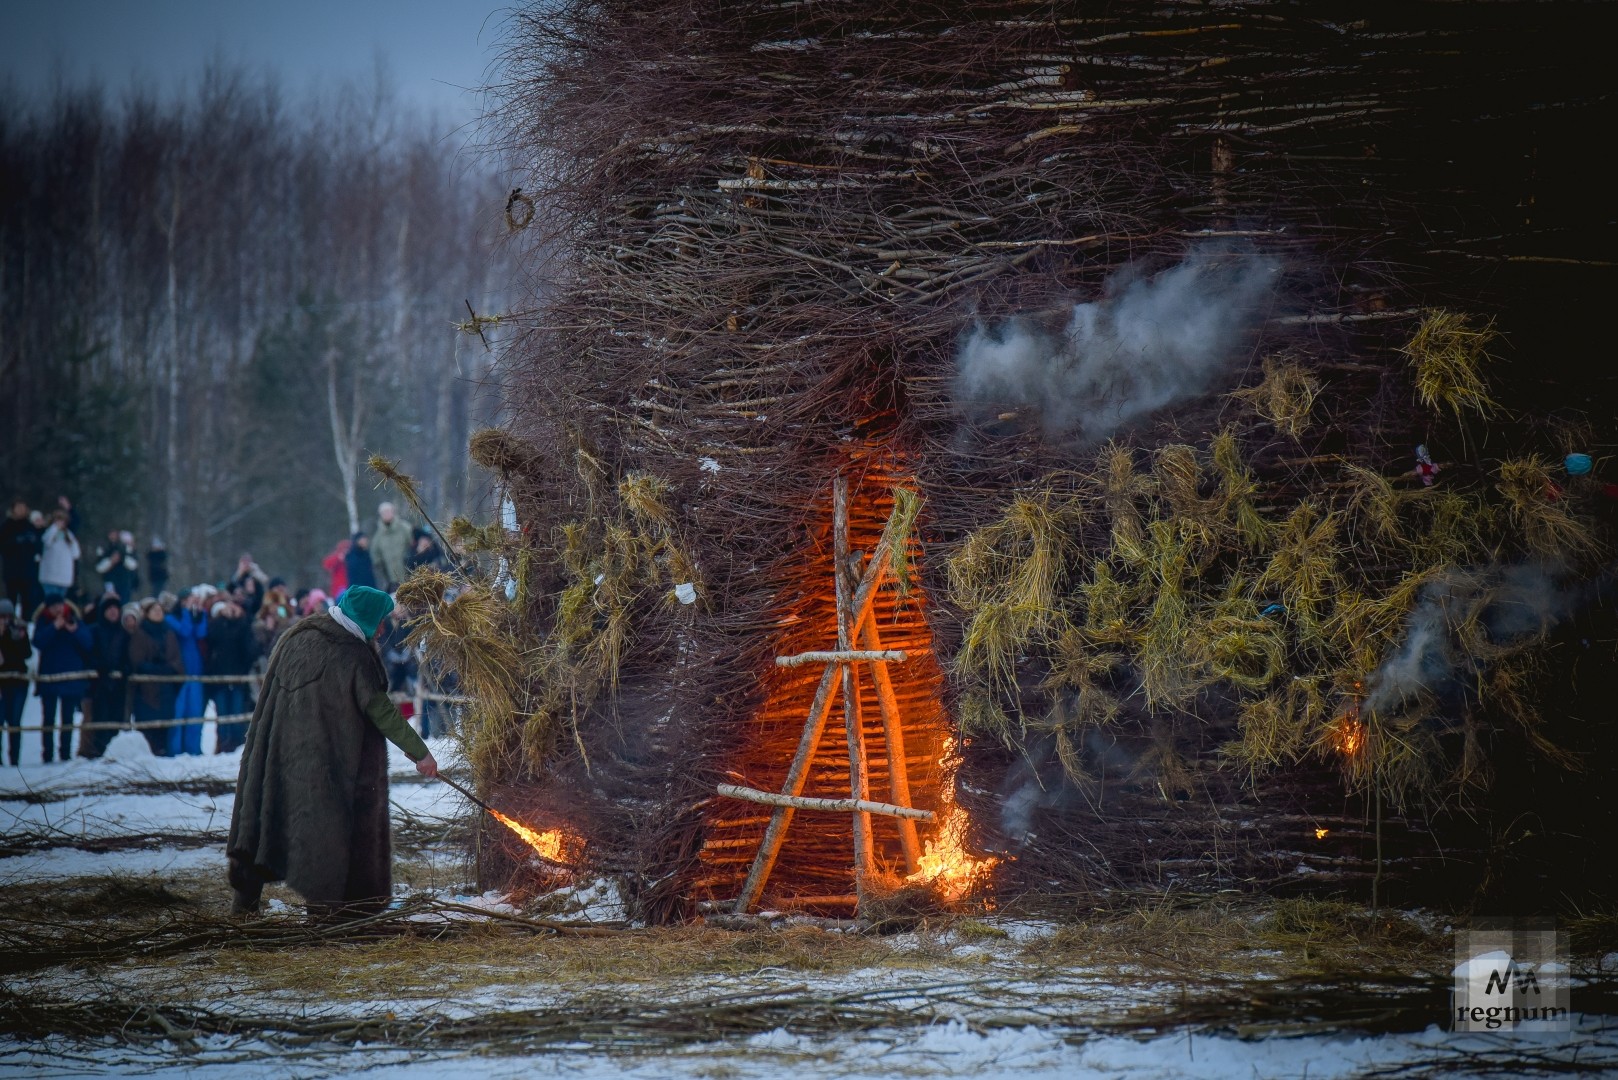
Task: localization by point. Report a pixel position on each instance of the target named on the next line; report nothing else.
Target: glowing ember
(1320, 834)
(946, 864)
(552, 845)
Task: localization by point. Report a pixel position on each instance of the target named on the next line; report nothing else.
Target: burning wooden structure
(770, 230)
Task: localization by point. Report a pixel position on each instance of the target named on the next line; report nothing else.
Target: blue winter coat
(191, 630)
(63, 650)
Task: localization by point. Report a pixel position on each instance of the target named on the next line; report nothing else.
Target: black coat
(432, 557)
(360, 570)
(109, 652)
(15, 648)
(109, 647)
(232, 648)
(157, 569)
(19, 549)
(122, 568)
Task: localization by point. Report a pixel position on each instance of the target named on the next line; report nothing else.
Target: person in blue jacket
(189, 621)
(64, 644)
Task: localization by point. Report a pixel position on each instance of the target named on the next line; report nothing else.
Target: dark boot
(246, 887)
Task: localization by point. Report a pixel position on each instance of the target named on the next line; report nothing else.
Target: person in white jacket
(58, 558)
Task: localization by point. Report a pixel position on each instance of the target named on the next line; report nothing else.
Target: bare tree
(181, 282)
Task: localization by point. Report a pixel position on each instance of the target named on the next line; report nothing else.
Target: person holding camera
(118, 566)
(65, 645)
(59, 554)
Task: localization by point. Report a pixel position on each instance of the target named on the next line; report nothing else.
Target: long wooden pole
(798, 772)
(853, 722)
(769, 849)
(838, 657)
(843, 806)
(893, 730)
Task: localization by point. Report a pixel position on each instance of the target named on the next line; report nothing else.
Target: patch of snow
(1023, 931)
(595, 901)
(493, 901)
(64, 863)
(942, 1050)
(708, 464)
(90, 816)
(128, 746)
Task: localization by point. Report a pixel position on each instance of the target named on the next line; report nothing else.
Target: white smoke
(1149, 342)
(1514, 604)
(1038, 782)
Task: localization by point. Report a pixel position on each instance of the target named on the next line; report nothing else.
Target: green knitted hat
(366, 606)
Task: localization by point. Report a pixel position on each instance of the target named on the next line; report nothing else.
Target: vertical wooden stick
(864, 862)
(893, 730)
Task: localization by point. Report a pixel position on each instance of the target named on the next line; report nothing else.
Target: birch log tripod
(858, 642)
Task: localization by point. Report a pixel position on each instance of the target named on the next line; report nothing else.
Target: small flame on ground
(946, 865)
(1320, 834)
(552, 845)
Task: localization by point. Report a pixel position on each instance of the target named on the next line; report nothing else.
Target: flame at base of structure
(552, 845)
(946, 865)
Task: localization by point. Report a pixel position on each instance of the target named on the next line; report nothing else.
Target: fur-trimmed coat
(312, 799)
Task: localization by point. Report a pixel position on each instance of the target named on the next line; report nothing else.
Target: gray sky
(432, 48)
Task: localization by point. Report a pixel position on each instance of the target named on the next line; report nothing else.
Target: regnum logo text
(1511, 974)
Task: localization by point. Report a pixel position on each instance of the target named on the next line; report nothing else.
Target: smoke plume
(1512, 606)
(1038, 782)
(1147, 343)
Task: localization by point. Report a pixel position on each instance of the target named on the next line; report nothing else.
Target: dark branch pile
(771, 224)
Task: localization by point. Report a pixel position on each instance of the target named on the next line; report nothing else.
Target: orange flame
(552, 845)
(1320, 834)
(946, 865)
(1348, 735)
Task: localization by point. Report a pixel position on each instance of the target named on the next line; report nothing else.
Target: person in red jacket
(336, 565)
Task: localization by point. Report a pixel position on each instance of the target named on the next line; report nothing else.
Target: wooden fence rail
(419, 698)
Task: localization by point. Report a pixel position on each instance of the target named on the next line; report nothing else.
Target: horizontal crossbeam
(843, 656)
(843, 806)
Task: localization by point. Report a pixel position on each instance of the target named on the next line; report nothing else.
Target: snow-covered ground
(985, 1004)
(952, 1049)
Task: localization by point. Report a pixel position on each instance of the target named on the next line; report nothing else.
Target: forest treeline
(214, 306)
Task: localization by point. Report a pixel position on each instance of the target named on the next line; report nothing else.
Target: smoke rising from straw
(1149, 342)
(1514, 604)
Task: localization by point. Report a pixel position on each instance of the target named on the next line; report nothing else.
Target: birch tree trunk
(173, 499)
(345, 438)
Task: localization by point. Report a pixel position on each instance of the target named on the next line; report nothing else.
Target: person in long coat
(154, 649)
(312, 798)
(109, 695)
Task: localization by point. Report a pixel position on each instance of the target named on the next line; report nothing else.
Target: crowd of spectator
(83, 643)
